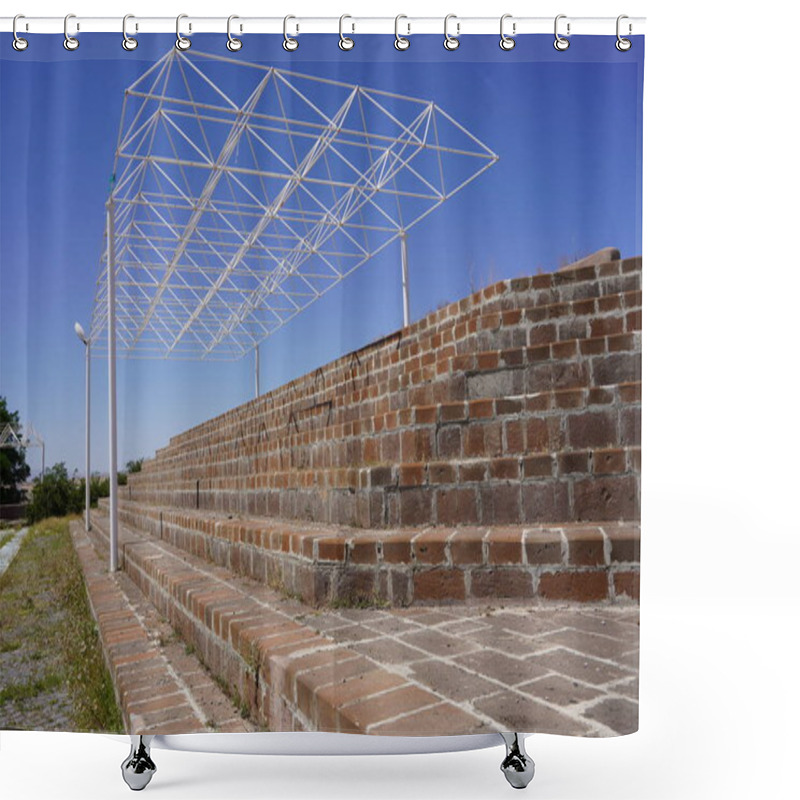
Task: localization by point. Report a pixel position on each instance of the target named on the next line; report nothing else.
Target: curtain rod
(409, 25)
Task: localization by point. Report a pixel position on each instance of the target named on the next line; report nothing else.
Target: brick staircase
(487, 453)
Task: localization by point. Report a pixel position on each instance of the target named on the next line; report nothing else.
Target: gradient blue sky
(567, 127)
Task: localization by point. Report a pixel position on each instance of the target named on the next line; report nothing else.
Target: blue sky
(567, 128)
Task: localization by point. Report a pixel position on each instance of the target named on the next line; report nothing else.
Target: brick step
(532, 463)
(286, 675)
(158, 689)
(579, 336)
(548, 289)
(512, 412)
(519, 320)
(598, 366)
(331, 565)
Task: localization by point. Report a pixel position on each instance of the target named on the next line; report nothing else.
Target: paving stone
(437, 643)
(508, 671)
(622, 716)
(516, 712)
(584, 668)
(438, 720)
(583, 642)
(560, 690)
(451, 681)
(388, 651)
(383, 707)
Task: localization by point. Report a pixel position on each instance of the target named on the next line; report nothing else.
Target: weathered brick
(545, 502)
(592, 429)
(439, 585)
(606, 462)
(573, 462)
(585, 546)
(583, 587)
(466, 546)
(626, 584)
(543, 546)
(496, 583)
(456, 506)
(416, 507)
(606, 498)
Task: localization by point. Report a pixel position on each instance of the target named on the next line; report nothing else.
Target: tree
(135, 465)
(13, 468)
(55, 494)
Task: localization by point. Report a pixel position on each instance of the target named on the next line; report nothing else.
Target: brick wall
(518, 404)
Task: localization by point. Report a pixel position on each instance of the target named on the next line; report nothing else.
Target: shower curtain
(377, 385)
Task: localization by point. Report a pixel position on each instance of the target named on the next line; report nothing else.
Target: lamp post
(88, 344)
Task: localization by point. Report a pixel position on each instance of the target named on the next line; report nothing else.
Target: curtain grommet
(401, 42)
(233, 44)
(129, 43)
(18, 43)
(70, 42)
(622, 44)
(345, 42)
(181, 42)
(560, 43)
(507, 42)
(289, 43)
(451, 43)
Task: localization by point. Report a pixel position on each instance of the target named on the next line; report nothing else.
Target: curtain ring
(450, 42)
(561, 43)
(128, 42)
(70, 42)
(233, 44)
(19, 44)
(345, 42)
(289, 44)
(181, 43)
(400, 42)
(506, 42)
(622, 44)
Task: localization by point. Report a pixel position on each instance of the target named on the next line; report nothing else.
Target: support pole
(404, 267)
(258, 372)
(112, 387)
(88, 467)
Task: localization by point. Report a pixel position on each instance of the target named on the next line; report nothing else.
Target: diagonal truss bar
(245, 192)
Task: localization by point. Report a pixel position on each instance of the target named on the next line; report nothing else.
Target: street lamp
(88, 343)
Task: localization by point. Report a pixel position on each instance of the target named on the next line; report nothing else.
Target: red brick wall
(520, 403)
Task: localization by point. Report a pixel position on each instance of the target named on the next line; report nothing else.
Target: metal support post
(88, 436)
(404, 267)
(112, 388)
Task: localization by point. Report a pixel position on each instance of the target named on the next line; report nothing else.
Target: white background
(720, 603)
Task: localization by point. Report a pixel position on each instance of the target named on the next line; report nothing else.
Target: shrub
(55, 494)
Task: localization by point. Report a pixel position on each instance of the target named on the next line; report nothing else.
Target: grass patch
(43, 606)
(20, 692)
(6, 538)
(359, 601)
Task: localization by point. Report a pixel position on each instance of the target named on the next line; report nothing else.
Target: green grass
(6, 538)
(45, 620)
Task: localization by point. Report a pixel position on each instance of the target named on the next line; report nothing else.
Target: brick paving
(524, 665)
(160, 685)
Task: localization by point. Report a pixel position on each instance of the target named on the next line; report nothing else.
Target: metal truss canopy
(244, 192)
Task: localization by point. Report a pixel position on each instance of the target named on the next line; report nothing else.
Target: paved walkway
(9, 550)
(159, 681)
(571, 670)
(527, 665)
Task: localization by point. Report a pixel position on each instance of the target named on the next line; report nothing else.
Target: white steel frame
(12, 440)
(244, 192)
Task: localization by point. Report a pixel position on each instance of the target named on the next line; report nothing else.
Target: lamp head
(81, 333)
